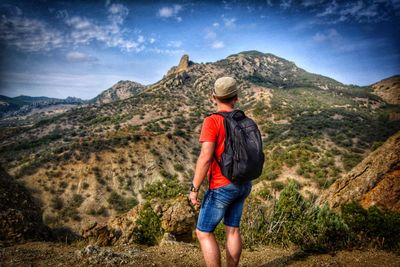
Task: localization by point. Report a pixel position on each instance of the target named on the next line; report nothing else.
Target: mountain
(388, 89)
(120, 91)
(93, 161)
(10, 104)
(22, 105)
(375, 181)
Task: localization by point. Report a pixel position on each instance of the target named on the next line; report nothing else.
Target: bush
(293, 220)
(372, 226)
(179, 167)
(120, 203)
(149, 226)
(277, 185)
(57, 203)
(166, 189)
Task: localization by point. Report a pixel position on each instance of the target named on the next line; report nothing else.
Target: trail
(180, 254)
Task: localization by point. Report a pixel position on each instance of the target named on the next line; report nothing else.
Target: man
(223, 200)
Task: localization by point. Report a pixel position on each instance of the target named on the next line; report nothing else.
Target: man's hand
(193, 199)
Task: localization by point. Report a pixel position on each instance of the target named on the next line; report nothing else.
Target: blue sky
(80, 48)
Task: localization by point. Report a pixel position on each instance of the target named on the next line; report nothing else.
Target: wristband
(194, 189)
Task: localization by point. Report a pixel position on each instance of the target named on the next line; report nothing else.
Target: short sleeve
(209, 130)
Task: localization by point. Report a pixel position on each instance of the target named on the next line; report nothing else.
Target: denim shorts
(224, 202)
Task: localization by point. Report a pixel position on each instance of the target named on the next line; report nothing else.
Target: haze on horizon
(73, 48)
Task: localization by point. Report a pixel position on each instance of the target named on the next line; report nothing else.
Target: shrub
(265, 193)
(179, 167)
(277, 185)
(293, 220)
(374, 226)
(166, 189)
(149, 226)
(77, 200)
(120, 203)
(57, 203)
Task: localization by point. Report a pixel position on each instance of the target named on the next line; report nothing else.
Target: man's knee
(232, 231)
(203, 235)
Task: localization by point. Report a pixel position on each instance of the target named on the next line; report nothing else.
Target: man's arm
(202, 166)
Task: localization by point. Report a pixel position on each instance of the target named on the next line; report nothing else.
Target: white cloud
(230, 23)
(29, 35)
(360, 11)
(35, 35)
(166, 51)
(152, 40)
(210, 34)
(216, 24)
(117, 13)
(285, 4)
(170, 12)
(140, 39)
(217, 44)
(84, 31)
(346, 44)
(331, 35)
(76, 56)
(175, 44)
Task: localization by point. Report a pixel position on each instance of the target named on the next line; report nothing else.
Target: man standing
(224, 199)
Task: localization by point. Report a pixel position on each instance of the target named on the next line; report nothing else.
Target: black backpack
(243, 156)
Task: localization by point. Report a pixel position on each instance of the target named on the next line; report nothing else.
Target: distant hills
(23, 104)
(92, 161)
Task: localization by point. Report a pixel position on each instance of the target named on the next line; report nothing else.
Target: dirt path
(56, 254)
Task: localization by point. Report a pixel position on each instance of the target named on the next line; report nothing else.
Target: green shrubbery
(165, 189)
(293, 220)
(149, 226)
(120, 203)
(373, 226)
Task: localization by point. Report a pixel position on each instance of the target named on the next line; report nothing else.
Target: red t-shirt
(213, 131)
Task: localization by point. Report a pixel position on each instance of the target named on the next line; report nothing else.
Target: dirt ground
(78, 254)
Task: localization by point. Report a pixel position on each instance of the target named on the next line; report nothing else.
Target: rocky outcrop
(120, 91)
(375, 181)
(388, 89)
(183, 66)
(177, 218)
(20, 215)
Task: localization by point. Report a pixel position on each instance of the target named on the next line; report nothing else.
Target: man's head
(225, 90)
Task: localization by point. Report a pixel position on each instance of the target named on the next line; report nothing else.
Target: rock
(183, 64)
(177, 217)
(118, 230)
(375, 181)
(168, 239)
(388, 89)
(95, 255)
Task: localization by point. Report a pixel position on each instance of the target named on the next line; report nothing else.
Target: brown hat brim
(231, 94)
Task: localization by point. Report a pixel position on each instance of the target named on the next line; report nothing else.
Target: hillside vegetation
(93, 161)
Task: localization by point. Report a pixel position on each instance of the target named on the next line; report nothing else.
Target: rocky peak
(183, 66)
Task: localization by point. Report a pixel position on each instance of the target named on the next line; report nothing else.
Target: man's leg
(210, 249)
(233, 246)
